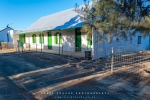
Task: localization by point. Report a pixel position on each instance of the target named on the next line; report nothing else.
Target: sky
(20, 14)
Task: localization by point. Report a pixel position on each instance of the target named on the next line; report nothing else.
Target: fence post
(29, 46)
(36, 48)
(22, 47)
(62, 50)
(41, 46)
(112, 60)
(18, 41)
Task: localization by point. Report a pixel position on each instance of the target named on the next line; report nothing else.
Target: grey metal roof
(61, 20)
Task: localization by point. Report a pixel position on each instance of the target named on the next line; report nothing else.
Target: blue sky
(22, 13)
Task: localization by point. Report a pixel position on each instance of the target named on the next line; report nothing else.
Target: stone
(86, 61)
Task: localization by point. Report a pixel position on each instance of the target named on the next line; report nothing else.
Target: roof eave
(37, 31)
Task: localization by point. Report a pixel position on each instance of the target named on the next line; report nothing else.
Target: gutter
(37, 31)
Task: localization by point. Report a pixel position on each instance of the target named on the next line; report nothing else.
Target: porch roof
(63, 20)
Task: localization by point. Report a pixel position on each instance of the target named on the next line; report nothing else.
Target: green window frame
(57, 38)
(139, 39)
(33, 38)
(41, 38)
(89, 42)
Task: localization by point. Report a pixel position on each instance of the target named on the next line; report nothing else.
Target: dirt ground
(48, 77)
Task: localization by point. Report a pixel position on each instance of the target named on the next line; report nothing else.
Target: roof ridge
(6, 28)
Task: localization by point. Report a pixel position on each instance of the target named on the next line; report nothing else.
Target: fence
(57, 49)
(129, 59)
(6, 45)
(114, 59)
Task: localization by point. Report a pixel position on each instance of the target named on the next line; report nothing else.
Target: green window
(33, 38)
(139, 39)
(58, 38)
(41, 36)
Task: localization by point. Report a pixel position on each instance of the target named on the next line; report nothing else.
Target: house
(59, 29)
(62, 29)
(6, 35)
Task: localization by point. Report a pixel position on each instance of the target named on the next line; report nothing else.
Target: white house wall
(28, 40)
(3, 35)
(68, 41)
(133, 46)
(15, 38)
(84, 42)
(104, 48)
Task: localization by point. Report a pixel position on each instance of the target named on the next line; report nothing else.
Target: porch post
(41, 40)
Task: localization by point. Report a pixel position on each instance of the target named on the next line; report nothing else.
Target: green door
(22, 38)
(49, 40)
(78, 40)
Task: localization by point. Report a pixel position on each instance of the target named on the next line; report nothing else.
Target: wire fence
(56, 53)
(110, 59)
(129, 59)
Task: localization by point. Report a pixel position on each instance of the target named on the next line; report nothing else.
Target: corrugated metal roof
(58, 21)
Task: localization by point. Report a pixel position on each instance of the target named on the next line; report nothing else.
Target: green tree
(114, 18)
